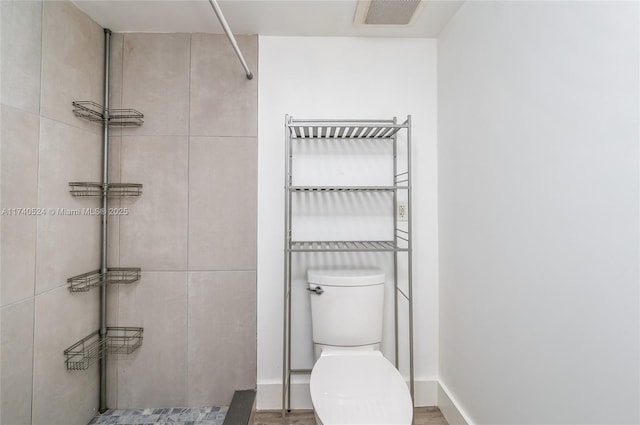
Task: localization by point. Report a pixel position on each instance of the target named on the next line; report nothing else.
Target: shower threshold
(169, 415)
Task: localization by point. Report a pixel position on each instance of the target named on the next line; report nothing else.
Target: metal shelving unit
(105, 340)
(302, 131)
(95, 346)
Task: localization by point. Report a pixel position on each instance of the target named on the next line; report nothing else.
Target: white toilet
(351, 381)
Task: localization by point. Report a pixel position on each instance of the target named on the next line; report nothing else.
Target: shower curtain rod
(232, 39)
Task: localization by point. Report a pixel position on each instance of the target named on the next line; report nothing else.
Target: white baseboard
(450, 408)
(270, 395)
(427, 393)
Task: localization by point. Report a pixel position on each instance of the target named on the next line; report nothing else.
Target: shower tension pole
(105, 201)
(232, 39)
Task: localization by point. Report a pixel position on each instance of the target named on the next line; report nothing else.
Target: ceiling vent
(387, 12)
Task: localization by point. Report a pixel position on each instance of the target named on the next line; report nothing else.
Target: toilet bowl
(352, 383)
(359, 387)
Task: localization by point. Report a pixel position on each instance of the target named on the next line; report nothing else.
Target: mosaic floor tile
(163, 416)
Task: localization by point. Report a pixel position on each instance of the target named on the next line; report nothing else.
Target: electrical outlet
(403, 211)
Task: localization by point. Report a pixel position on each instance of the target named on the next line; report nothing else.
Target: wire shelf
(124, 189)
(118, 340)
(114, 275)
(123, 340)
(344, 188)
(344, 130)
(344, 246)
(95, 112)
(85, 352)
(98, 189)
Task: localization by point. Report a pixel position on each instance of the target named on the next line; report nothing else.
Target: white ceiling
(265, 17)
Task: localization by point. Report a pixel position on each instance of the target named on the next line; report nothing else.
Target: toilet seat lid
(359, 387)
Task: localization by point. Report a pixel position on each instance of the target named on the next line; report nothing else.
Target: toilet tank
(349, 310)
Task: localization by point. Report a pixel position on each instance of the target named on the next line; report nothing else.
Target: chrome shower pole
(232, 39)
(105, 206)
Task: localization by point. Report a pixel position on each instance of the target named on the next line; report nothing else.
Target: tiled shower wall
(192, 231)
(51, 55)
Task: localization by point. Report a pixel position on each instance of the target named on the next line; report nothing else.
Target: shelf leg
(105, 206)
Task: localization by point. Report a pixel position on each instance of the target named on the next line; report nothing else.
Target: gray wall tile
(154, 72)
(20, 132)
(58, 62)
(18, 246)
(16, 363)
(72, 62)
(113, 227)
(61, 396)
(222, 203)
(115, 77)
(223, 101)
(188, 184)
(154, 233)
(222, 335)
(68, 245)
(21, 54)
(155, 375)
(156, 82)
(112, 381)
(113, 319)
(19, 144)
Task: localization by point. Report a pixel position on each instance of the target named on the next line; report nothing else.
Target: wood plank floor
(422, 416)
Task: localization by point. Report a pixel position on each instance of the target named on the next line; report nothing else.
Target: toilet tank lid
(346, 277)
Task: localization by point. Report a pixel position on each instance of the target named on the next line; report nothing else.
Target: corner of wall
(450, 407)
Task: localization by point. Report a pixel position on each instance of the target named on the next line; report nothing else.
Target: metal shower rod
(232, 39)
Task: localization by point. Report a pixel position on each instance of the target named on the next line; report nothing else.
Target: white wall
(538, 206)
(343, 78)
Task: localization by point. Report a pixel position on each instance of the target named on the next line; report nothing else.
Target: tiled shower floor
(173, 416)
